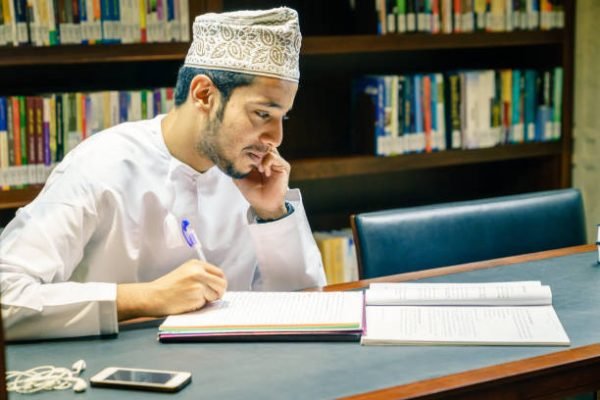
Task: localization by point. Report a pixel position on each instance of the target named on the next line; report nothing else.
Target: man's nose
(274, 134)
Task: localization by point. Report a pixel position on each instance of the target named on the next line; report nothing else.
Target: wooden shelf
(329, 45)
(18, 197)
(86, 54)
(316, 45)
(325, 168)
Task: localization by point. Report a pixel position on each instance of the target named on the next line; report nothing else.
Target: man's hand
(266, 186)
(187, 288)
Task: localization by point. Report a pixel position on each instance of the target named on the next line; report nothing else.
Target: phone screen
(140, 376)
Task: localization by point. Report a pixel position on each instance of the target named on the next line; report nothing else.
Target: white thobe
(111, 213)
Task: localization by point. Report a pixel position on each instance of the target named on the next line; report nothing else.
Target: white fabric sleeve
(288, 257)
(39, 251)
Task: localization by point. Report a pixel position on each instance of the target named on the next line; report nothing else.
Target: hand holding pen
(186, 288)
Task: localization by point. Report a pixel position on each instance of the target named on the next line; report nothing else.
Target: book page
(536, 325)
(459, 294)
(395, 285)
(248, 311)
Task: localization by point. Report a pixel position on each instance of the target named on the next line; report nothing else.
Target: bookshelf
(334, 171)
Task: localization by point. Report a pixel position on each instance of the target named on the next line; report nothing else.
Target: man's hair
(225, 81)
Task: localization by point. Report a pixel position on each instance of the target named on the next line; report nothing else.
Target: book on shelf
(453, 16)
(498, 313)
(41, 129)
(55, 22)
(270, 316)
(465, 109)
(338, 255)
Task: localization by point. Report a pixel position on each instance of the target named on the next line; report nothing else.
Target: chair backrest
(410, 239)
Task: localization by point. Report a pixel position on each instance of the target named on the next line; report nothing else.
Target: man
(103, 241)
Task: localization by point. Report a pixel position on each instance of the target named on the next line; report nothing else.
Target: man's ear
(203, 93)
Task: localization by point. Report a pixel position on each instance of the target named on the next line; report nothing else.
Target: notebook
(271, 316)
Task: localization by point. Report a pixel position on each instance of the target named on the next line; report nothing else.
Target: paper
(496, 313)
(510, 293)
(250, 312)
(535, 325)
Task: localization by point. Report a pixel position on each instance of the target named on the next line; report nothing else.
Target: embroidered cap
(260, 42)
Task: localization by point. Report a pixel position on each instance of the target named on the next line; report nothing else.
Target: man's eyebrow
(271, 104)
(268, 103)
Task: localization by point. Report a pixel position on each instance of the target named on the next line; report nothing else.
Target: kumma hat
(256, 42)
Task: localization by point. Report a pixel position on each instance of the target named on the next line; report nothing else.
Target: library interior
(414, 181)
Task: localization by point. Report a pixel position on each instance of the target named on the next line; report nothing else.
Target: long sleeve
(288, 258)
(39, 251)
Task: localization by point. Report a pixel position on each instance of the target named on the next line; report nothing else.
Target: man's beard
(209, 147)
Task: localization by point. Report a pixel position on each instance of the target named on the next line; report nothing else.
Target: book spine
(516, 133)
(10, 134)
(52, 127)
(419, 145)
(407, 114)
(398, 144)
(529, 105)
(549, 106)
(116, 19)
(39, 138)
(401, 16)
(123, 105)
(24, 136)
(46, 131)
(11, 171)
(426, 108)
(506, 77)
(456, 102)
(79, 115)
(390, 10)
(411, 16)
(4, 158)
(557, 102)
(88, 115)
(95, 21)
(185, 20)
(380, 116)
(3, 25)
(16, 126)
(60, 130)
(32, 142)
(433, 111)
(441, 106)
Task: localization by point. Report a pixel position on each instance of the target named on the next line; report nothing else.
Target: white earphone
(78, 366)
(79, 384)
(47, 377)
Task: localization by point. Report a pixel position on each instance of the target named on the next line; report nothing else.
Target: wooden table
(348, 370)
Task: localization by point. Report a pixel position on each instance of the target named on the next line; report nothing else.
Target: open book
(271, 316)
(503, 313)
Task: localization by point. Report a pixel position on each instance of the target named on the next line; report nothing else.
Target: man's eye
(262, 114)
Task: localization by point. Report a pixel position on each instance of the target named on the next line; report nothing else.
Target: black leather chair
(409, 239)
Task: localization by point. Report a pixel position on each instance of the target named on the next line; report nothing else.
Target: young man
(103, 241)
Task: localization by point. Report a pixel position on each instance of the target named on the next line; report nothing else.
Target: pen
(191, 239)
